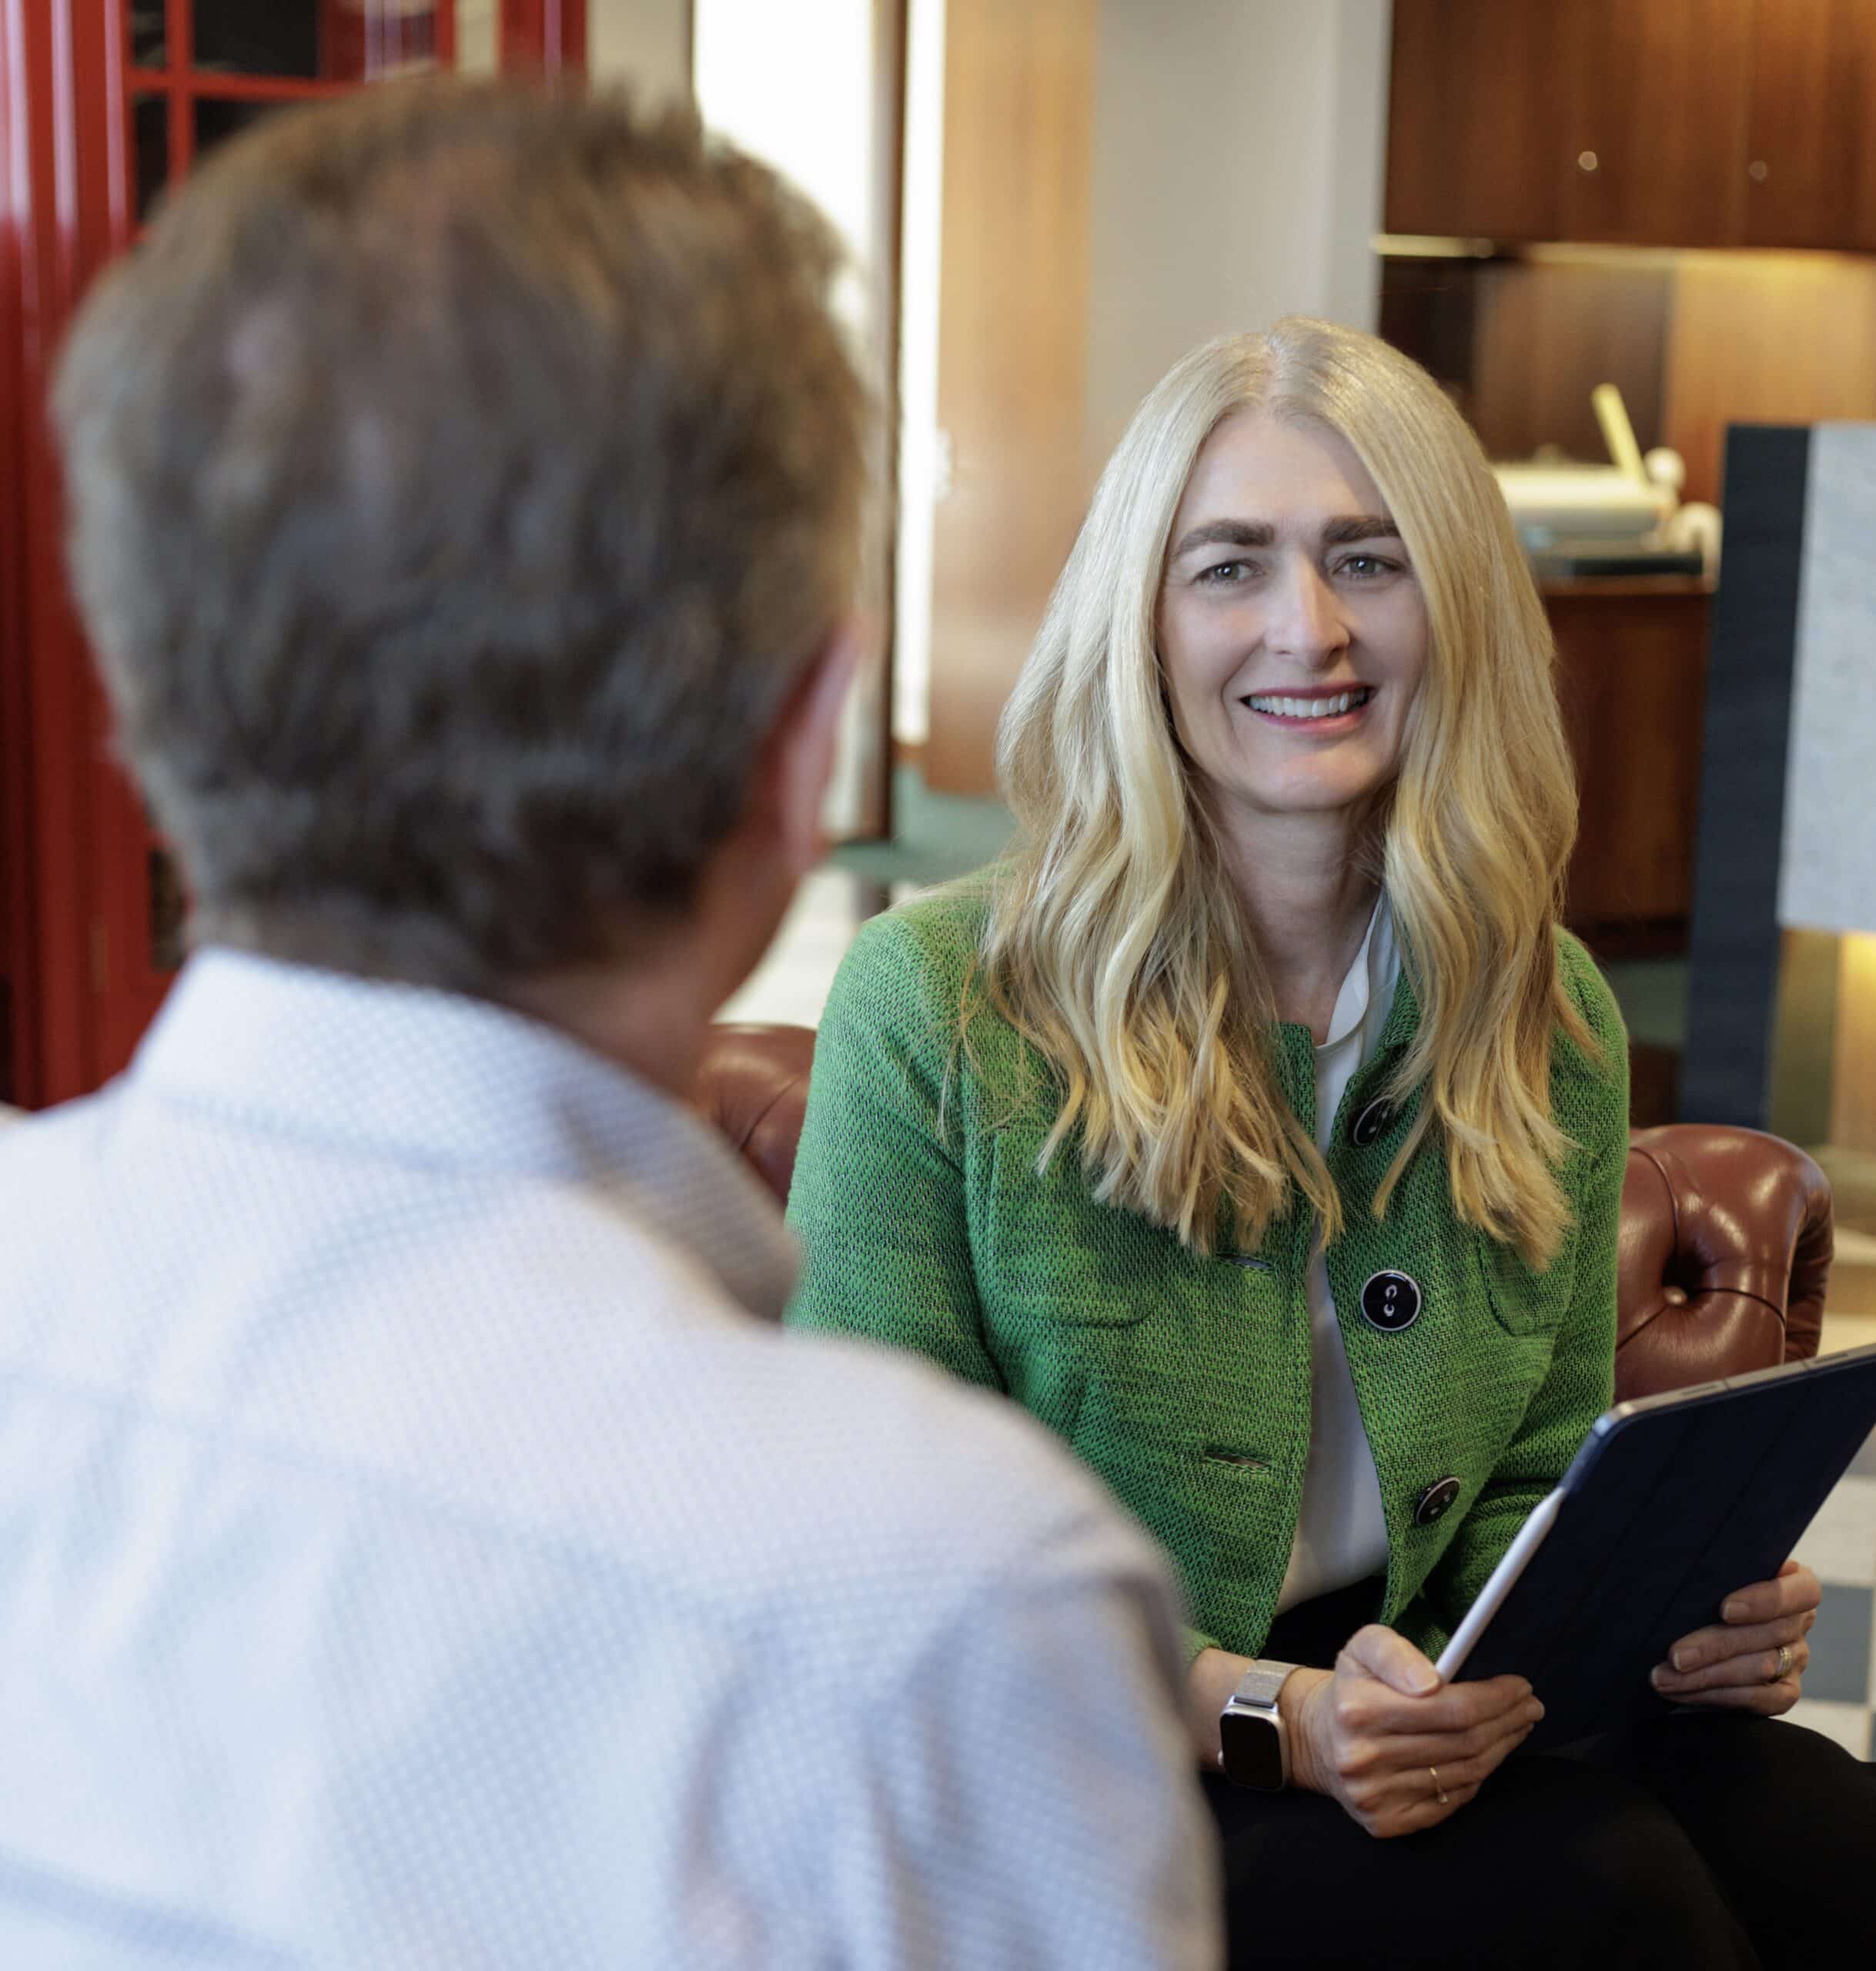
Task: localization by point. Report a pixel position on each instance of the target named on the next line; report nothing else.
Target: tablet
(1672, 1502)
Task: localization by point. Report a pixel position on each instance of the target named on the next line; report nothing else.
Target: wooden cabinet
(1657, 119)
(1632, 678)
(1477, 129)
(1810, 176)
(1661, 123)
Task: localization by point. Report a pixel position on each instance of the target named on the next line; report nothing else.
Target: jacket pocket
(1524, 1301)
(1049, 1254)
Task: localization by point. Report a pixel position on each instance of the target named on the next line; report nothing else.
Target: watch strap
(1262, 1683)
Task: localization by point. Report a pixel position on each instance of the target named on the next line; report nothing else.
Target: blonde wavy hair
(1115, 944)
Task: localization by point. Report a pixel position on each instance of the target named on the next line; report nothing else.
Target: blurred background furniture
(1726, 1235)
(753, 1086)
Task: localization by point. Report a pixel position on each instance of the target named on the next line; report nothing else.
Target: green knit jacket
(1183, 1379)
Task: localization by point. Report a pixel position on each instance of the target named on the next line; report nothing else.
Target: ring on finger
(1784, 1664)
(1439, 1792)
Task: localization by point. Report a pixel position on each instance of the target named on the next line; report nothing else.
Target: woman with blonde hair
(1255, 1127)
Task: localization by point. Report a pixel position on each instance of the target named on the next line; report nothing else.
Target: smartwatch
(1253, 1746)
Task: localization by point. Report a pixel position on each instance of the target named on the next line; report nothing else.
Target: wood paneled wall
(1765, 339)
(1547, 334)
(1012, 331)
(1696, 340)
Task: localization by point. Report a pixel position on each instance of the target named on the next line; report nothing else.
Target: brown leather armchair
(1725, 1238)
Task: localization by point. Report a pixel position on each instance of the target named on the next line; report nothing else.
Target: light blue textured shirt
(413, 1554)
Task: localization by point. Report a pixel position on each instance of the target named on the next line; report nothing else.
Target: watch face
(1253, 1752)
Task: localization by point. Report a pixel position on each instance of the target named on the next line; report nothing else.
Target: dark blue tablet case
(1672, 1502)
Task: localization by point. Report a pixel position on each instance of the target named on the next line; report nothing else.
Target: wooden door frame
(889, 50)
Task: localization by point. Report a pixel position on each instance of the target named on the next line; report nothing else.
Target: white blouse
(1342, 1535)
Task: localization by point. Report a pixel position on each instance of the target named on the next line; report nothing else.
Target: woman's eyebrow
(1232, 533)
(1359, 526)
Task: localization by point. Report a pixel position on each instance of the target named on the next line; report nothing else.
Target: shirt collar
(1367, 978)
(417, 1074)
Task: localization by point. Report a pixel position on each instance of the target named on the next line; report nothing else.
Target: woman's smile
(1313, 711)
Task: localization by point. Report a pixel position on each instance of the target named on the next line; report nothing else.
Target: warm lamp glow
(1853, 1077)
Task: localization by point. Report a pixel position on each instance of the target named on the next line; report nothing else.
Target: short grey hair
(461, 478)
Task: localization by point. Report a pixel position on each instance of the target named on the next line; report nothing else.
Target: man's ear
(801, 749)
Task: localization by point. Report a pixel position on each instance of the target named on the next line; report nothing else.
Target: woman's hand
(1374, 1733)
(1736, 1664)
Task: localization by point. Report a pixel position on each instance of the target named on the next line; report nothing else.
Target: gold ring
(1439, 1792)
(1784, 1664)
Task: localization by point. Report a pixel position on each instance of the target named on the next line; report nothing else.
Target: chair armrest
(1725, 1251)
(753, 1086)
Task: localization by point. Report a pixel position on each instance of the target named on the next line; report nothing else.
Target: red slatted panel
(75, 855)
(547, 34)
(49, 693)
(17, 942)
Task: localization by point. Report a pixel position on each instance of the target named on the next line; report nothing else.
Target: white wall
(642, 41)
(645, 42)
(793, 85)
(923, 473)
(475, 37)
(1240, 149)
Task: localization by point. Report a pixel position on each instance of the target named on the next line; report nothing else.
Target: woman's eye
(1223, 574)
(1368, 568)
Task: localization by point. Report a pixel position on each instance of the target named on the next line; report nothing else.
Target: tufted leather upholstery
(1725, 1240)
(1725, 1250)
(752, 1085)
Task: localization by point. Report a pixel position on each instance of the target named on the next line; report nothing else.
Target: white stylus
(1530, 1537)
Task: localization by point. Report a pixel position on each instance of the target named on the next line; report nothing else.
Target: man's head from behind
(465, 488)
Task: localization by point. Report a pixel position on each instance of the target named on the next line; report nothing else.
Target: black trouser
(1705, 1839)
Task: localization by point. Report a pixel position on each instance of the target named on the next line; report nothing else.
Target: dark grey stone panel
(1733, 960)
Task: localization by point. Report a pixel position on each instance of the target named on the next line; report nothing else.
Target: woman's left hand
(1736, 1666)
